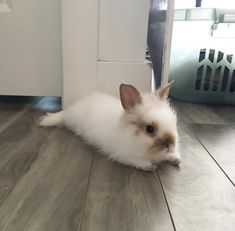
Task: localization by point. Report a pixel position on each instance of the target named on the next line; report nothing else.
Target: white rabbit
(139, 131)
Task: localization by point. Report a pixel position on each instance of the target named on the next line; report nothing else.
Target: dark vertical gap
(198, 3)
(229, 58)
(155, 37)
(232, 85)
(216, 78)
(202, 54)
(225, 79)
(208, 77)
(211, 55)
(220, 56)
(199, 77)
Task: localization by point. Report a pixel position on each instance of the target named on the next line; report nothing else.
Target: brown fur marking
(142, 125)
(168, 140)
(164, 142)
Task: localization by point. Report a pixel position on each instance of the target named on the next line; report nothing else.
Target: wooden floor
(51, 180)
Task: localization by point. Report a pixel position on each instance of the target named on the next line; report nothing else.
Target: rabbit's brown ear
(163, 91)
(129, 96)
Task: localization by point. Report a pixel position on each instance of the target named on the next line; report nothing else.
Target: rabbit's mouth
(160, 148)
(163, 145)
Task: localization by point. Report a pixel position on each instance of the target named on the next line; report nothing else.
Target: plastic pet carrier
(202, 56)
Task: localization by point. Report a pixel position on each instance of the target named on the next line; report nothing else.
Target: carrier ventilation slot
(232, 85)
(212, 76)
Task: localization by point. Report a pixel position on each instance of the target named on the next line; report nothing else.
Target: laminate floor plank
(225, 112)
(219, 141)
(122, 198)
(19, 144)
(196, 113)
(199, 195)
(44, 173)
(50, 195)
(51, 180)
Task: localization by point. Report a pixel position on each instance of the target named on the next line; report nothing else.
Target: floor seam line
(87, 189)
(215, 160)
(166, 201)
(204, 147)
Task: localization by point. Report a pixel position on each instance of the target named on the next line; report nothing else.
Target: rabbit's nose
(169, 143)
(166, 141)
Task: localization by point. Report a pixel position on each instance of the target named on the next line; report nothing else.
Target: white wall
(30, 47)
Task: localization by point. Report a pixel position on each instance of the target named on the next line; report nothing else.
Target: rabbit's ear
(129, 96)
(163, 91)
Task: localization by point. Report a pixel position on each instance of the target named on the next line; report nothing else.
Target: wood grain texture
(44, 173)
(19, 146)
(50, 195)
(122, 198)
(196, 113)
(22, 131)
(200, 196)
(219, 141)
(50, 180)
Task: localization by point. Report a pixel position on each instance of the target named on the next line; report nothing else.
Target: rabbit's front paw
(174, 160)
(146, 166)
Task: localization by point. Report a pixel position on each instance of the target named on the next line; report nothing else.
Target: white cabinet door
(104, 44)
(30, 47)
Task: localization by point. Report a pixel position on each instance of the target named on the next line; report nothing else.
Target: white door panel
(111, 74)
(79, 37)
(30, 47)
(93, 31)
(123, 28)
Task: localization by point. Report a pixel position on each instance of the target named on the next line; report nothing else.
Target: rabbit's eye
(150, 129)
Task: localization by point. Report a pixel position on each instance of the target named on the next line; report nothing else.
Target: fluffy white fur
(101, 120)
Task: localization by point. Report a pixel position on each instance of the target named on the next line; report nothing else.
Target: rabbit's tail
(52, 119)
